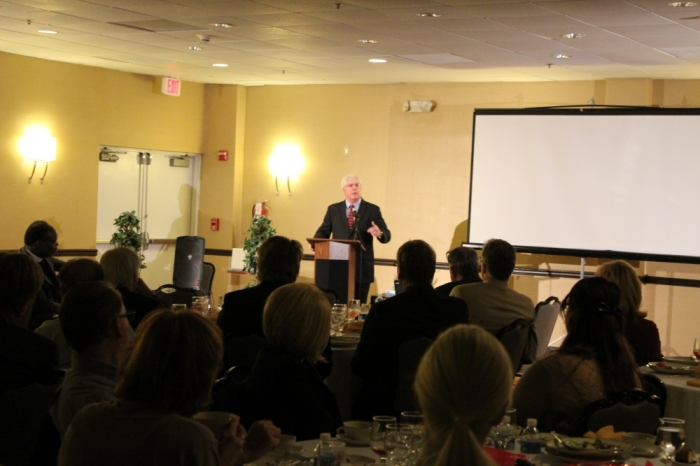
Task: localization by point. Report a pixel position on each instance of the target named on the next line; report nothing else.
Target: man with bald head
(355, 218)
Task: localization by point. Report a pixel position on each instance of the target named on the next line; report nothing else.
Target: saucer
(351, 441)
(650, 452)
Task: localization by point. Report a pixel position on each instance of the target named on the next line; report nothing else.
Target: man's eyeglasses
(129, 315)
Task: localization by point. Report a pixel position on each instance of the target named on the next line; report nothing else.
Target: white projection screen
(588, 182)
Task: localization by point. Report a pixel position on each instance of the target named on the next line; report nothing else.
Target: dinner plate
(352, 442)
(671, 370)
(647, 452)
(296, 460)
(618, 450)
(358, 460)
(689, 360)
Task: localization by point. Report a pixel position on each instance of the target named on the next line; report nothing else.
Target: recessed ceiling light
(47, 31)
(377, 60)
(429, 15)
(561, 56)
(367, 41)
(573, 35)
(682, 4)
(220, 65)
(194, 48)
(222, 25)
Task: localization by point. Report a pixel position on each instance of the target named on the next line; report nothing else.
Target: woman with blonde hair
(284, 385)
(463, 387)
(642, 334)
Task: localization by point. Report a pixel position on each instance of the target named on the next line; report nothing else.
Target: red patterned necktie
(351, 218)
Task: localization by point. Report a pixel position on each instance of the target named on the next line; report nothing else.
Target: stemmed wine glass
(414, 420)
(397, 443)
(670, 436)
(376, 436)
(338, 319)
(696, 349)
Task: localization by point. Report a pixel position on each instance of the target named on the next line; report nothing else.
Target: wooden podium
(334, 266)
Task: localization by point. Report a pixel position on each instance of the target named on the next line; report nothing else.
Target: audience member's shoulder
(12, 332)
(467, 288)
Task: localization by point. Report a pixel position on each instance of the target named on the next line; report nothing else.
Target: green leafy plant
(128, 234)
(260, 229)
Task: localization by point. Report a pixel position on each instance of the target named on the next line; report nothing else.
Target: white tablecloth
(683, 402)
(342, 382)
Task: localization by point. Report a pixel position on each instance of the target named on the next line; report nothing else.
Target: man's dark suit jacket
(447, 287)
(26, 358)
(138, 303)
(415, 313)
(336, 223)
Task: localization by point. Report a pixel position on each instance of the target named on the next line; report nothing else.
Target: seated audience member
(593, 362)
(94, 323)
(73, 272)
(25, 357)
(463, 387)
(642, 334)
(41, 244)
(165, 379)
(464, 268)
(122, 268)
(417, 312)
(284, 385)
(279, 259)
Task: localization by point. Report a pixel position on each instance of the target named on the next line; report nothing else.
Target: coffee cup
(356, 430)
(216, 421)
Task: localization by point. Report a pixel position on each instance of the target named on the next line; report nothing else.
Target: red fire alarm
(223, 155)
(214, 224)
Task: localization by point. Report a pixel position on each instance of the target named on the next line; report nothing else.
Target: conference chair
(546, 314)
(629, 411)
(410, 354)
(514, 338)
(208, 272)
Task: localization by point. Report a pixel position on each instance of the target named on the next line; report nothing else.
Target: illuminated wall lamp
(286, 160)
(37, 145)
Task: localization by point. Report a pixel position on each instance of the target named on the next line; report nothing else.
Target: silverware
(557, 439)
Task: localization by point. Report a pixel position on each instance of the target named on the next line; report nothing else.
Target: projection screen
(588, 182)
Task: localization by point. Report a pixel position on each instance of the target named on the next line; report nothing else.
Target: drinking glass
(376, 436)
(696, 348)
(338, 319)
(179, 307)
(353, 309)
(397, 442)
(670, 436)
(364, 310)
(200, 305)
(414, 419)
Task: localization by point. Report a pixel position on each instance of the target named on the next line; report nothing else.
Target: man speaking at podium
(355, 218)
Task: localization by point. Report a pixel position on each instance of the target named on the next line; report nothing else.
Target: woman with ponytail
(594, 362)
(463, 387)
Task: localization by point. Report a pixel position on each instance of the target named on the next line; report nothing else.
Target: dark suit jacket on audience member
(139, 303)
(45, 304)
(26, 358)
(290, 393)
(336, 222)
(447, 287)
(643, 336)
(415, 313)
(243, 309)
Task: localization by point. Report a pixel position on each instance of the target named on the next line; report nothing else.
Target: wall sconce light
(419, 106)
(37, 145)
(286, 160)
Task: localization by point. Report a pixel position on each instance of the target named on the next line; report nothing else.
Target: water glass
(414, 419)
(376, 436)
(670, 436)
(200, 305)
(338, 319)
(353, 309)
(398, 443)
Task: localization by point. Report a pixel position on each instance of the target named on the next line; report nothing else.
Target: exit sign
(170, 86)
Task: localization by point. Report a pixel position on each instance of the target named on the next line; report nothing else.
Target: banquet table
(366, 452)
(342, 382)
(682, 402)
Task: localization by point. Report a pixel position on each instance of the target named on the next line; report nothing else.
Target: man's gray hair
(347, 178)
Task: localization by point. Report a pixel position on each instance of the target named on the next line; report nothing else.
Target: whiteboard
(591, 182)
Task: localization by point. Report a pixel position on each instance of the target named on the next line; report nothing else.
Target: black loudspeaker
(189, 259)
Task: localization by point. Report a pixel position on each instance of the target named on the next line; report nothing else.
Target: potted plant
(260, 229)
(128, 234)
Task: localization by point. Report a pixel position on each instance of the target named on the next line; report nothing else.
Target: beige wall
(415, 166)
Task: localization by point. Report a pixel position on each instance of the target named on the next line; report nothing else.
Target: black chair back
(514, 338)
(546, 314)
(654, 386)
(629, 411)
(208, 272)
(410, 354)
